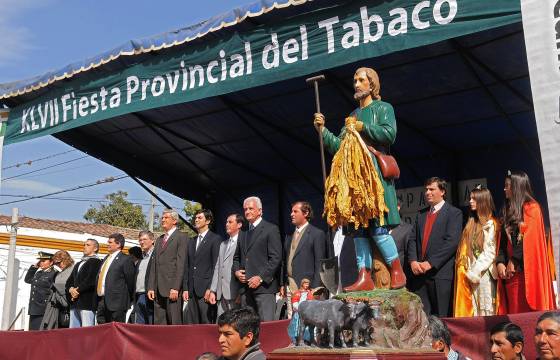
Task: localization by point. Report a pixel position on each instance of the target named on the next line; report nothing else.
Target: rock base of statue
(309, 353)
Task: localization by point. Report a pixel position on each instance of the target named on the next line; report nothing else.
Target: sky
(42, 35)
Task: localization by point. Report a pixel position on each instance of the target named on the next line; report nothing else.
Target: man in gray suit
(225, 287)
(166, 273)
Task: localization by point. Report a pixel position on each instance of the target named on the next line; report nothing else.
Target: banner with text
(296, 47)
(541, 26)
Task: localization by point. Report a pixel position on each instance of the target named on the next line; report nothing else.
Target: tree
(118, 212)
(190, 209)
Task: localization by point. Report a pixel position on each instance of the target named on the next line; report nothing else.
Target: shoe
(398, 278)
(364, 282)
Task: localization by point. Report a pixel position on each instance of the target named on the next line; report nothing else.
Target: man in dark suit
(225, 286)
(41, 277)
(165, 279)
(202, 253)
(115, 282)
(303, 252)
(143, 307)
(257, 261)
(80, 287)
(432, 248)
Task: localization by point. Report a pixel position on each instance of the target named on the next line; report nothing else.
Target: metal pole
(152, 209)
(11, 282)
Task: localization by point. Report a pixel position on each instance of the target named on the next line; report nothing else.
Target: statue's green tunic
(380, 131)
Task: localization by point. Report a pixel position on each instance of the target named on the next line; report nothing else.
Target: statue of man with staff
(373, 124)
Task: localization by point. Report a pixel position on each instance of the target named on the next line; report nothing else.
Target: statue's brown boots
(398, 278)
(364, 282)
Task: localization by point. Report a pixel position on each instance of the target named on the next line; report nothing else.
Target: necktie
(102, 276)
(198, 241)
(251, 227)
(164, 243)
(230, 243)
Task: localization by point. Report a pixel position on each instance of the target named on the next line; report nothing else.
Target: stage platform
(123, 341)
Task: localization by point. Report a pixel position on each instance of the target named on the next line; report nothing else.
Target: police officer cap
(45, 255)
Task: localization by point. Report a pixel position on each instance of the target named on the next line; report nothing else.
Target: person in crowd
(202, 253)
(257, 261)
(547, 336)
(40, 276)
(239, 335)
(401, 233)
(522, 261)
(506, 342)
(57, 313)
(207, 356)
(441, 339)
(432, 248)
(303, 252)
(224, 289)
(144, 307)
(136, 253)
(475, 286)
(375, 122)
(303, 294)
(115, 282)
(81, 286)
(165, 279)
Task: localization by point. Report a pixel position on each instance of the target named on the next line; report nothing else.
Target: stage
(124, 341)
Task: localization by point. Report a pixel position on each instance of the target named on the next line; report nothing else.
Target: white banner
(541, 21)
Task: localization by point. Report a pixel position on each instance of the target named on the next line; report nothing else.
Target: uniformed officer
(41, 277)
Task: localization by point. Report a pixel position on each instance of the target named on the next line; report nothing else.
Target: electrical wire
(46, 167)
(30, 162)
(98, 182)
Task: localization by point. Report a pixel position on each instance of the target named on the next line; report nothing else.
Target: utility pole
(152, 210)
(10, 292)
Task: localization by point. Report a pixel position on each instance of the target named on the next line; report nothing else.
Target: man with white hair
(257, 261)
(165, 279)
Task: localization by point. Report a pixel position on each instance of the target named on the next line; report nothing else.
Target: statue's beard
(361, 94)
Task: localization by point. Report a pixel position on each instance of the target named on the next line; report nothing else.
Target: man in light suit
(115, 283)
(303, 252)
(165, 278)
(257, 261)
(432, 248)
(225, 286)
(202, 253)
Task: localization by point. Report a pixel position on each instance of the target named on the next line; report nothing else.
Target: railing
(21, 313)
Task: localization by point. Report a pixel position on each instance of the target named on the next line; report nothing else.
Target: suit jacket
(168, 264)
(306, 261)
(442, 244)
(259, 252)
(119, 282)
(347, 259)
(84, 280)
(224, 283)
(147, 277)
(200, 263)
(401, 234)
(41, 282)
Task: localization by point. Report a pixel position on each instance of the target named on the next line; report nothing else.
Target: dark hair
(146, 232)
(238, 218)
(135, 251)
(441, 184)
(439, 330)
(96, 243)
(305, 208)
(552, 315)
(513, 332)
(207, 215)
(243, 320)
(119, 238)
(521, 192)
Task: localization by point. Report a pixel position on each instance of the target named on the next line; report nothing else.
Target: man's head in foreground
(239, 330)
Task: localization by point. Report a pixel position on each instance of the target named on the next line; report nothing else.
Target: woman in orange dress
(522, 261)
(475, 284)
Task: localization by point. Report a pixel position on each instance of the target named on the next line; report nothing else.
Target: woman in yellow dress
(475, 274)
